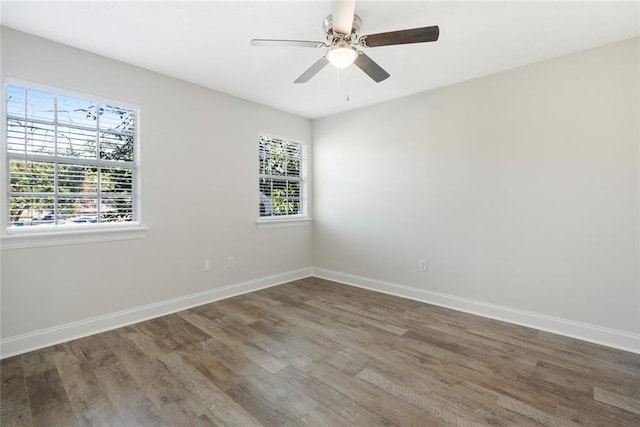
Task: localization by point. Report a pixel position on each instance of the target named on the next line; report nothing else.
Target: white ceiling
(207, 42)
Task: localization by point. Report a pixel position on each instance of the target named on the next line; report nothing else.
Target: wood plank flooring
(314, 352)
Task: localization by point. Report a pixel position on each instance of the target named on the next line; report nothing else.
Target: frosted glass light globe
(342, 57)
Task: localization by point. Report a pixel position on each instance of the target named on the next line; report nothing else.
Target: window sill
(22, 240)
(283, 222)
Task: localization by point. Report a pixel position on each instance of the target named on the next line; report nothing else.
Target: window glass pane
(293, 189)
(72, 206)
(31, 177)
(275, 161)
(16, 99)
(30, 104)
(117, 120)
(77, 179)
(265, 186)
(262, 159)
(30, 138)
(15, 136)
(275, 165)
(278, 187)
(295, 206)
(293, 150)
(281, 204)
(30, 210)
(40, 105)
(117, 209)
(266, 207)
(75, 142)
(116, 147)
(116, 180)
(293, 167)
(77, 112)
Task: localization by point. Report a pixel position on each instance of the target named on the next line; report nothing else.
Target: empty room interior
(320, 213)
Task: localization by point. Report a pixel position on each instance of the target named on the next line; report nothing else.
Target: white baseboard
(610, 337)
(35, 340)
(43, 338)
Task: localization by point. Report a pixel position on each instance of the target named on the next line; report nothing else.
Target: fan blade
(371, 68)
(414, 35)
(290, 43)
(313, 70)
(342, 12)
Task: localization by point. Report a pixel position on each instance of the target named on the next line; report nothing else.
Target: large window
(282, 182)
(70, 160)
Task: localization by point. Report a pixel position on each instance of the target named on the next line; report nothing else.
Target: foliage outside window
(70, 160)
(281, 182)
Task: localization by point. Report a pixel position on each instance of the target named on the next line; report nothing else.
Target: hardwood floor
(313, 352)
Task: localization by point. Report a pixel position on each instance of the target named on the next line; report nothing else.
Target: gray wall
(520, 189)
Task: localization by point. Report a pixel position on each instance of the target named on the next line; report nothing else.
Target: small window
(70, 160)
(282, 184)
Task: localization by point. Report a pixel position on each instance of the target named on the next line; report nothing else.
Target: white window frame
(27, 237)
(301, 218)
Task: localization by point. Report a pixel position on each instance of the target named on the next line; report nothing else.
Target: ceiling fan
(344, 44)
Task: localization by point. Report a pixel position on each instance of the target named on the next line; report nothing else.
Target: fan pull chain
(348, 85)
(338, 89)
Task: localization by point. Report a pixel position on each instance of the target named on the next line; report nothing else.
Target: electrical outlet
(230, 262)
(422, 265)
(206, 265)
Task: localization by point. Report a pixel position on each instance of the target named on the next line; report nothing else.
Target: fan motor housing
(327, 26)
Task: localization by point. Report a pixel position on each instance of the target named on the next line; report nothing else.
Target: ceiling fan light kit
(345, 49)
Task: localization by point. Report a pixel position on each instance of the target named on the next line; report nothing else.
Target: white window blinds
(281, 182)
(70, 160)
